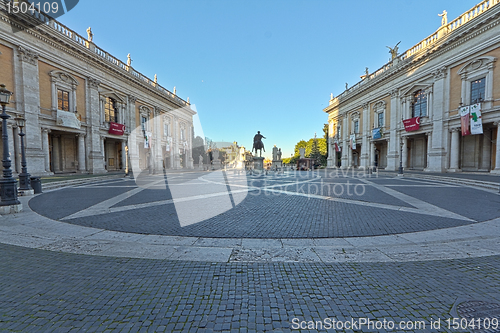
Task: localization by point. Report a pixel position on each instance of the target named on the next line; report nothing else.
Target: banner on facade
(412, 124)
(115, 128)
(465, 120)
(476, 124)
(147, 140)
(167, 147)
(376, 134)
(337, 148)
(67, 119)
(352, 141)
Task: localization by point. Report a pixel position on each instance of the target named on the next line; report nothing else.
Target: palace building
(435, 107)
(81, 104)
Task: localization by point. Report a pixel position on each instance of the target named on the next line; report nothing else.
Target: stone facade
(453, 67)
(70, 92)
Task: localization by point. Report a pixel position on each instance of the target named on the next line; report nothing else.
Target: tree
(315, 148)
(198, 148)
(300, 144)
(315, 153)
(326, 131)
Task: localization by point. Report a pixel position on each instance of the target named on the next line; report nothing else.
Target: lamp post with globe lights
(8, 185)
(24, 176)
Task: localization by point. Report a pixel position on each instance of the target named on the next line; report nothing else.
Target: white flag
(476, 124)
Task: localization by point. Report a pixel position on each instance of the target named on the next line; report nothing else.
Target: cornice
(43, 33)
(456, 38)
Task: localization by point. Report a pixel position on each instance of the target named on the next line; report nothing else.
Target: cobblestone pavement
(44, 291)
(49, 291)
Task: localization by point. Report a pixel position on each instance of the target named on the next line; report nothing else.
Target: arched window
(419, 106)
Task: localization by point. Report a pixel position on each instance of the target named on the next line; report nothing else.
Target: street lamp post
(24, 176)
(400, 172)
(8, 185)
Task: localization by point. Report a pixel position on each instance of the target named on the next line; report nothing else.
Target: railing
(83, 42)
(425, 43)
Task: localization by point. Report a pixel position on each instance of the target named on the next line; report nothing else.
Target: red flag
(412, 124)
(115, 128)
(465, 120)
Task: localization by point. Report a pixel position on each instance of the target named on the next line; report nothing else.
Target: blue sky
(259, 65)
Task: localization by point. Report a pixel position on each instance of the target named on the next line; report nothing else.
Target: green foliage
(198, 148)
(315, 148)
(300, 144)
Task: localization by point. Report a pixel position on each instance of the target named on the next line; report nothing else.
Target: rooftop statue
(90, 35)
(394, 51)
(444, 19)
(129, 60)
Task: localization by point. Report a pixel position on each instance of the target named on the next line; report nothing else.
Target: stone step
(460, 181)
(79, 181)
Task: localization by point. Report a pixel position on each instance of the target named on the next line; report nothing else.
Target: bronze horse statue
(257, 143)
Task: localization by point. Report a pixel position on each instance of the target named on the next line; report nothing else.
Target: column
(190, 146)
(372, 154)
(12, 151)
(349, 155)
(56, 159)
(46, 148)
(133, 146)
(345, 145)
(497, 151)
(176, 137)
(16, 153)
(429, 147)
(405, 151)
(330, 161)
(454, 150)
(103, 154)
(81, 152)
(394, 122)
(124, 154)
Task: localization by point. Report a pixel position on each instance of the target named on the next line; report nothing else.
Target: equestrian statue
(257, 143)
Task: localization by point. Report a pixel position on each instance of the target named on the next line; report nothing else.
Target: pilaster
(95, 151)
(436, 152)
(365, 149)
(27, 99)
(392, 145)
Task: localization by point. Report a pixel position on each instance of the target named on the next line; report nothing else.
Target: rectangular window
(144, 123)
(338, 131)
(110, 111)
(477, 90)
(166, 129)
(380, 119)
(419, 104)
(356, 126)
(62, 100)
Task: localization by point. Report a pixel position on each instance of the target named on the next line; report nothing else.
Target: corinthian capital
(27, 55)
(93, 83)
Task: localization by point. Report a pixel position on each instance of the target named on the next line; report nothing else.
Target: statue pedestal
(216, 165)
(258, 163)
(277, 165)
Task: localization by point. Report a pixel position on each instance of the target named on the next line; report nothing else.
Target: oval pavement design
(303, 205)
(471, 239)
